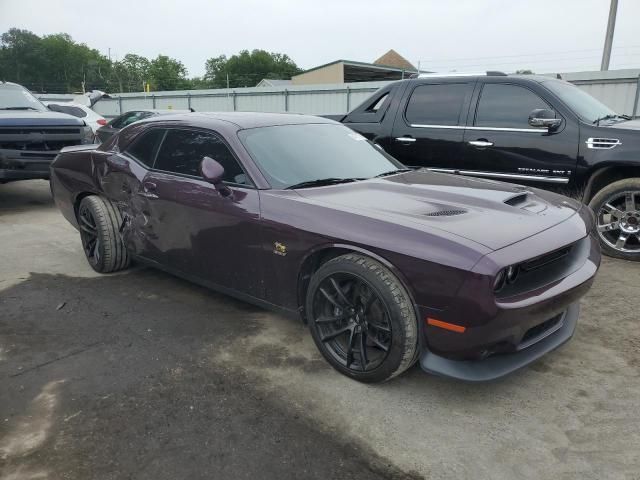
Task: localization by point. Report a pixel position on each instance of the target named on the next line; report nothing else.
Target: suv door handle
(405, 139)
(481, 143)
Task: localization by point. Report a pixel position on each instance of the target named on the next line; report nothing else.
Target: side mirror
(542, 117)
(213, 173)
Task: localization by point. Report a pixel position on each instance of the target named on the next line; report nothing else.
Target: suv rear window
(436, 104)
(69, 109)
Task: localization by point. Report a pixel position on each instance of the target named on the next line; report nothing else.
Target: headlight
(505, 276)
(87, 135)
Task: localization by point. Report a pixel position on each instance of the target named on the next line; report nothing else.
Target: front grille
(546, 269)
(445, 213)
(39, 146)
(545, 259)
(40, 130)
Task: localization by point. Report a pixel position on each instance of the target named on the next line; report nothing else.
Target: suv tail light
(101, 121)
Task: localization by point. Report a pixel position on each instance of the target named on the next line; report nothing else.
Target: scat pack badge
(279, 249)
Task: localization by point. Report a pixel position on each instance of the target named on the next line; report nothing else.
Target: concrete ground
(142, 375)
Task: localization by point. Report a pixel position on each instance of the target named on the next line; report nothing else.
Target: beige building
(390, 66)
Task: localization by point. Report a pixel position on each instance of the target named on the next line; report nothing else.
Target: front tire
(617, 210)
(99, 221)
(362, 319)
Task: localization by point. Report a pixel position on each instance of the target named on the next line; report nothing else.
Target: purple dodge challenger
(387, 266)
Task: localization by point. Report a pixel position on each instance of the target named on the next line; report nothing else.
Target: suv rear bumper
(499, 365)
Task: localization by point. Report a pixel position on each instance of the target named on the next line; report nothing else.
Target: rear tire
(355, 304)
(99, 221)
(617, 210)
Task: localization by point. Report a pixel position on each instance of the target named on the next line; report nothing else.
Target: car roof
(244, 120)
(158, 111)
(477, 76)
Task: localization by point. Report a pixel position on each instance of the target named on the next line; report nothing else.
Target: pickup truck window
(509, 106)
(436, 104)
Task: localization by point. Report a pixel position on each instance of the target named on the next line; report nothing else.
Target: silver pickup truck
(31, 135)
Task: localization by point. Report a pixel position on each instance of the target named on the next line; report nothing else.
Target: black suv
(527, 129)
(31, 135)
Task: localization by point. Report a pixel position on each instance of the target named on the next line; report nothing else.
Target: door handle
(481, 143)
(405, 139)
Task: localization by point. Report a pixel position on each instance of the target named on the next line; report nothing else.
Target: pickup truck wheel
(99, 221)
(617, 209)
(362, 319)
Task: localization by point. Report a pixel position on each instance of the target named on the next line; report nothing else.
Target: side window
(182, 152)
(436, 104)
(118, 122)
(145, 147)
(377, 104)
(506, 106)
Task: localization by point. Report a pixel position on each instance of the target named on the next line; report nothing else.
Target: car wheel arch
(601, 177)
(322, 254)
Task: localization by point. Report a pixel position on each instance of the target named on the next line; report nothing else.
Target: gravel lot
(142, 375)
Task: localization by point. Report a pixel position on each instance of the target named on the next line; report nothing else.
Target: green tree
(524, 72)
(246, 68)
(167, 73)
(20, 55)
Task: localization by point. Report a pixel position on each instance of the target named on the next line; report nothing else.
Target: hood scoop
(526, 201)
(516, 200)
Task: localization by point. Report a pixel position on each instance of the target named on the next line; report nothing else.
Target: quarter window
(436, 104)
(183, 150)
(145, 148)
(506, 106)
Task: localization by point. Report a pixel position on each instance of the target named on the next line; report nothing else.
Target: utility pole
(608, 40)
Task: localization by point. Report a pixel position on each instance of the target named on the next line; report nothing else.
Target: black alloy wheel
(353, 321)
(362, 318)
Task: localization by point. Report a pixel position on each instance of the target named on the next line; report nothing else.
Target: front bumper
(34, 166)
(499, 365)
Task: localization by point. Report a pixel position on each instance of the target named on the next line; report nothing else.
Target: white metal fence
(619, 89)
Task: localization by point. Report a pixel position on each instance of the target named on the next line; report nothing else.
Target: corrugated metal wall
(616, 88)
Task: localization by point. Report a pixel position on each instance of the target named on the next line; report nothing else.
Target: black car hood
(493, 214)
(30, 118)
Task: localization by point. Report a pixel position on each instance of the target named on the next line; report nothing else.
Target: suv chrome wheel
(619, 222)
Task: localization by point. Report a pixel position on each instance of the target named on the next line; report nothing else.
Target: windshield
(293, 154)
(585, 106)
(15, 97)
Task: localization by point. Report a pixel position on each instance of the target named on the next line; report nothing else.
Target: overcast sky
(463, 35)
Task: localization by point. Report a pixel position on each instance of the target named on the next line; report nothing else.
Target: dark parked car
(105, 132)
(528, 129)
(31, 135)
(472, 277)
